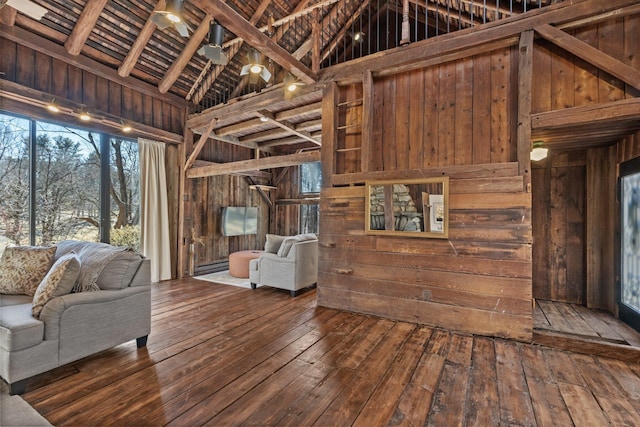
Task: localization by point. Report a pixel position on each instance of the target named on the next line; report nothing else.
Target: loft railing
(347, 30)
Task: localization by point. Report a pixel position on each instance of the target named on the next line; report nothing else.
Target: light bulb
(53, 108)
(173, 18)
(255, 69)
(84, 116)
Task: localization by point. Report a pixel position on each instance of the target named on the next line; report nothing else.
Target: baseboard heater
(213, 267)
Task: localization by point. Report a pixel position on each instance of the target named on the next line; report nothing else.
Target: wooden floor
(221, 355)
(577, 328)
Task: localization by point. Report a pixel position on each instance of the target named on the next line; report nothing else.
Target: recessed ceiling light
(264, 119)
(53, 108)
(126, 128)
(84, 116)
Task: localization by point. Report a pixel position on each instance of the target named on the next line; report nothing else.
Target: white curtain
(155, 242)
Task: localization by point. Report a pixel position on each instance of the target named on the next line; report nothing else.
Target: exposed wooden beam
(607, 112)
(185, 56)
(196, 150)
(233, 140)
(254, 164)
(230, 19)
(525, 81)
(84, 26)
(204, 87)
(590, 54)
(8, 16)
(263, 100)
(37, 101)
(42, 45)
(129, 62)
(289, 127)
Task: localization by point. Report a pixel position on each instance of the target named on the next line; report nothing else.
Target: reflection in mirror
(400, 207)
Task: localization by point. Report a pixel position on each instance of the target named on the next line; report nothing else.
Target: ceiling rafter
(233, 51)
(8, 16)
(230, 19)
(85, 24)
(280, 32)
(129, 62)
(185, 56)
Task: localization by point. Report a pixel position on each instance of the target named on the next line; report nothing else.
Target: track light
(255, 67)
(53, 107)
(213, 51)
(84, 115)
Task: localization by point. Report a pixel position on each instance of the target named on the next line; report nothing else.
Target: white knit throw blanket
(93, 259)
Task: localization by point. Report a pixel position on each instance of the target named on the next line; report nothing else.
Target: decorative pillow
(286, 246)
(273, 243)
(22, 268)
(58, 281)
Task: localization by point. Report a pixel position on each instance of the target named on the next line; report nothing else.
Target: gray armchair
(294, 267)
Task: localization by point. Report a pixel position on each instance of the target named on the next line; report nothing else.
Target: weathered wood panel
(481, 273)
(558, 213)
(36, 70)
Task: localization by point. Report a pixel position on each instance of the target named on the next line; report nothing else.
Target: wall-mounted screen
(238, 221)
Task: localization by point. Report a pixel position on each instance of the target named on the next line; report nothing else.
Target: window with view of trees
(310, 184)
(55, 185)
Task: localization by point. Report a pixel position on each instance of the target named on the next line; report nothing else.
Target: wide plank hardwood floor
(220, 355)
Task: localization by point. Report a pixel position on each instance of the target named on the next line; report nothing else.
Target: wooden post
(406, 38)
(525, 75)
(367, 121)
(329, 123)
(317, 42)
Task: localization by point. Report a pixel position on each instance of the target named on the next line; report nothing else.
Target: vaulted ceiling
(121, 35)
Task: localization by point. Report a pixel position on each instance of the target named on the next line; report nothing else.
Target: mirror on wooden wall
(408, 208)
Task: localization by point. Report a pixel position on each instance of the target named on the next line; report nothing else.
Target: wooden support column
(317, 42)
(185, 205)
(203, 138)
(367, 121)
(525, 70)
(329, 124)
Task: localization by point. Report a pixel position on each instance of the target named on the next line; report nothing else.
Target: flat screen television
(238, 221)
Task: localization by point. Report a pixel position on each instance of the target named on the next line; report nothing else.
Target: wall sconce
(538, 152)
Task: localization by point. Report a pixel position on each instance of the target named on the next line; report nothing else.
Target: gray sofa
(76, 325)
(289, 263)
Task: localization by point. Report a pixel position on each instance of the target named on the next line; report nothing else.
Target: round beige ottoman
(239, 263)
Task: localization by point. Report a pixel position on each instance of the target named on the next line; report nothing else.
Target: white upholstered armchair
(288, 263)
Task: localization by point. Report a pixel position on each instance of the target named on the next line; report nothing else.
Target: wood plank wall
(38, 71)
(207, 197)
(574, 207)
(455, 119)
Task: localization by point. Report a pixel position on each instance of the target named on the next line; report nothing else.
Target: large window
(310, 185)
(56, 185)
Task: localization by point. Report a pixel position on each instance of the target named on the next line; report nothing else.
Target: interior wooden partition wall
(463, 108)
(453, 119)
